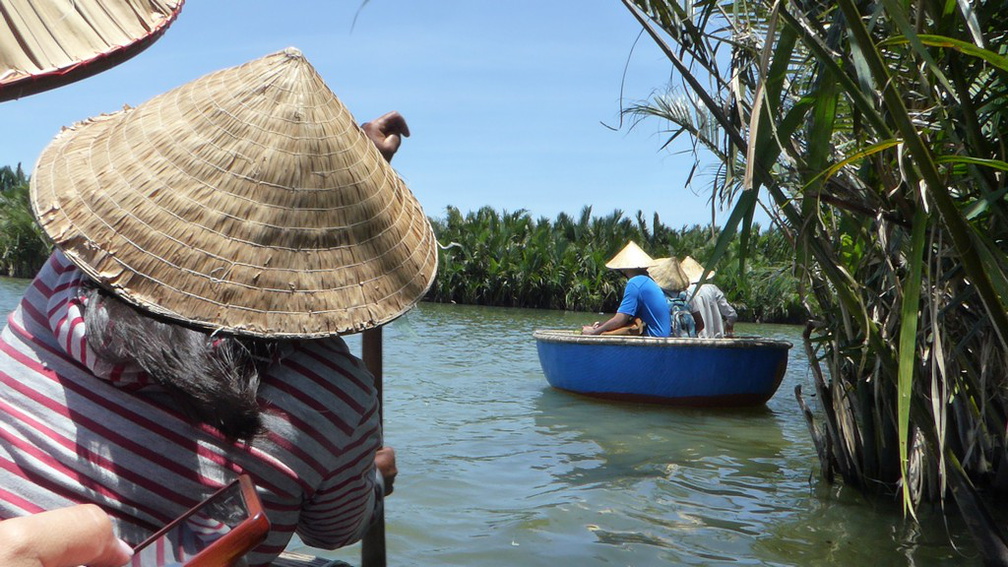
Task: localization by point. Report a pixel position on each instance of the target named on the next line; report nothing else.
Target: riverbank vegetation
(510, 259)
(874, 131)
(23, 246)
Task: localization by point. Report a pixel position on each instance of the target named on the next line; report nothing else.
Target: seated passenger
(718, 315)
(642, 298)
(669, 276)
(212, 244)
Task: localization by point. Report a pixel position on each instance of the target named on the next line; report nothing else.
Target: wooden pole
(373, 544)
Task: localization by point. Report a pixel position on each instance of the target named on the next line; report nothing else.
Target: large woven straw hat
(668, 274)
(247, 201)
(694, 271)
(629, 258)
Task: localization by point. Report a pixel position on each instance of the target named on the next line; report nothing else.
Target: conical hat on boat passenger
(48, 44)
(248, 201)
(629, 258)
(694, 271)
(668, 274)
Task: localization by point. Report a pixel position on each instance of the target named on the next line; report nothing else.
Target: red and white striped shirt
(75, 429)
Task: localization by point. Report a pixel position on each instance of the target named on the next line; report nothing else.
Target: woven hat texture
(629, 258)
(694, 271)
(668, 274)
(247, 201)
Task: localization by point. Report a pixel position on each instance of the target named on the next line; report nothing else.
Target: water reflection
(10, 293)
(630, 436)
(684, 469)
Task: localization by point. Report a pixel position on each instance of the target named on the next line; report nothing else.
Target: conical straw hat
(694, 271)
(247, 201)
(44, 45)
(629, 258)
(668, 274)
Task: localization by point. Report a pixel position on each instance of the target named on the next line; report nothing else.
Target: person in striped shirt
(144, 367)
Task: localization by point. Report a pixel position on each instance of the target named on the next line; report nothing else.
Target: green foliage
(874, 133)
(23, 245)
(510, 260)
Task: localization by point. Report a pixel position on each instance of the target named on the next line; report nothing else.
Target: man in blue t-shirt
(642, 298)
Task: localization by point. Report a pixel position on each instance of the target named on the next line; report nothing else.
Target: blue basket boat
(742, 371)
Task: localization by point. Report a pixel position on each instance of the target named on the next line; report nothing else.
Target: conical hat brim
(247, 201)
(629, 258)
(44, 45)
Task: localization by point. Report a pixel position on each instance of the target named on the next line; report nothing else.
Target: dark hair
(213, 379)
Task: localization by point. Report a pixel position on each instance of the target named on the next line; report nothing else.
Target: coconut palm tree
(509, 259)
(873, 131)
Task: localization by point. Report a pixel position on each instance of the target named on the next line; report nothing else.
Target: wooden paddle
(373, 544)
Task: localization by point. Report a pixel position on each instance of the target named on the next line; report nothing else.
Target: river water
(498, 469)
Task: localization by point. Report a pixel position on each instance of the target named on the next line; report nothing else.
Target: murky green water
(498, 469)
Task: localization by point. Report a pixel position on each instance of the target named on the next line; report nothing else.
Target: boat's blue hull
(694, 372)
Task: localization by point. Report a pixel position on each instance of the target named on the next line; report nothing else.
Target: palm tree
(509, 259)
(872, 131)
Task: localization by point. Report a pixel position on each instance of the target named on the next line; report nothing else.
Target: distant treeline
(23, 245)
(512, 260)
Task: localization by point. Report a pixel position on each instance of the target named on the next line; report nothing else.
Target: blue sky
(506, 101)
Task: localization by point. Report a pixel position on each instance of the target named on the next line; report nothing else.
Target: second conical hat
(247, 201)
(668, 274)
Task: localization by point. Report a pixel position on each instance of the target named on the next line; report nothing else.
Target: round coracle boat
(742, 371)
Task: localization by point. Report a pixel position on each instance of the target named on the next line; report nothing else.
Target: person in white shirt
(718, 315)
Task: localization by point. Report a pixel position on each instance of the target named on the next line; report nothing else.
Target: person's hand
(385, 463)
(387, 132)
(590, 329)
(78, 535)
